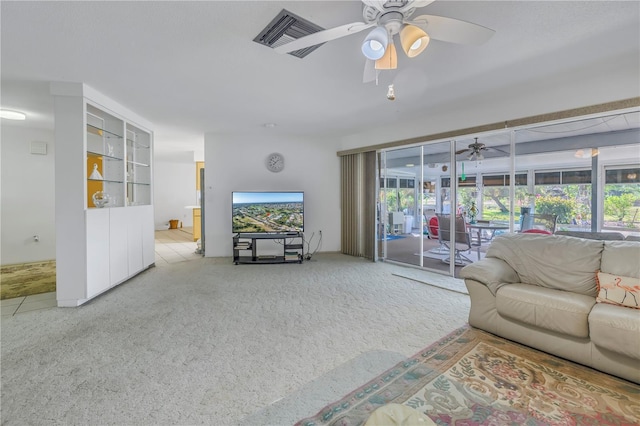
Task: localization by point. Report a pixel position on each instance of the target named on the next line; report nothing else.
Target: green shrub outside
(619, 206)
(561, 207)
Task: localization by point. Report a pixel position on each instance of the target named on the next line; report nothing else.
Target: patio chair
(433, 234)
(545, 222)
(462, 240)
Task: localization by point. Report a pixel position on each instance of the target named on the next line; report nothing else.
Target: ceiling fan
(391, 17)
(475, 151)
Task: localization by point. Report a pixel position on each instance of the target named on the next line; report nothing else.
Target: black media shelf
(292, 248)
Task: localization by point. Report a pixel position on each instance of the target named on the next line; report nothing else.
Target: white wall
(174, 188)
(237, 163)
(27, 199)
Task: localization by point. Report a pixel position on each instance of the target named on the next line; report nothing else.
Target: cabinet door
(199, 166)
(97, 251)
(104, 157)
(134, 237)
(148, 236)
(118, 252)
(197, 226)
(138, 159)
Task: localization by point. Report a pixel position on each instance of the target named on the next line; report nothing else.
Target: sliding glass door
(581, 175)
(399, 194)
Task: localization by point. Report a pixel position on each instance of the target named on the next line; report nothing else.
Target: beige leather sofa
(540, 290)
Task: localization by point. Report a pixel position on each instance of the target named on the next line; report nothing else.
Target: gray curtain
(358, 202)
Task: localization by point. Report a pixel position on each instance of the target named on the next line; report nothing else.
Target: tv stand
(292, 248)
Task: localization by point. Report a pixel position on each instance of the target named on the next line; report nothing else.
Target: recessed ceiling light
(12, 115)
(269, 125)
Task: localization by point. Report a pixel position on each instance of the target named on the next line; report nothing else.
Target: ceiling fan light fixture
(479, 157)
(586, 153)
(414, 40)
(389, 60)
(375, 45)
(391, 94)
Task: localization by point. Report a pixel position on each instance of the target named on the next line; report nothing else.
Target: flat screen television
(262, 212)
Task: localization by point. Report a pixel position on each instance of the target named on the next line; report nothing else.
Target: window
(576, 177)
(399, 193)
(407, 183)
(547, 178)
(504, 180)
(567, 194)
(468, 181)
(563, 178)
(495, 195)
(622, 199)
(623, 176)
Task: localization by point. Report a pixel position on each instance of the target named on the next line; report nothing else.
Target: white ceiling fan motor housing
(392, 21)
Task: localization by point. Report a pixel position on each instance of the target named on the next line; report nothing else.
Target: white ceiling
(192, 67)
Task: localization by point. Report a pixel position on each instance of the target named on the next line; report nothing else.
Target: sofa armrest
(492, 272)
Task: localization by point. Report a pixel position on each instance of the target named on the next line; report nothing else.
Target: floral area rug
(26, 279)
(472, 378)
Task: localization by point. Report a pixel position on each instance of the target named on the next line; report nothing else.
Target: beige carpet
(472, 255)
(208, 342)
(432, 279)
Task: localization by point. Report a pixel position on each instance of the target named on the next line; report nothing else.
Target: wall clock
(275, 162)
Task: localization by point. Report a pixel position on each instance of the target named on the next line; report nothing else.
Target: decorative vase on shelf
(100, 199)
(473, 212)
(95, 175)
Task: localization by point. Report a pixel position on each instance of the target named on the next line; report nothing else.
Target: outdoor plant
(561, 207)
(618, 206)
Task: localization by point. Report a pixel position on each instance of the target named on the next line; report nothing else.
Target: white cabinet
(98, 270)
(118, 245)
(102, 148)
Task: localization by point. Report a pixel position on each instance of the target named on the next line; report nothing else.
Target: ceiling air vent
(286, 27)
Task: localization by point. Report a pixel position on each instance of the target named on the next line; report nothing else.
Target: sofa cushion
(616, 328)
(593, 235)
(618, 290)
(552, 261)
(621, 257)
(554, 310)
(492, 272)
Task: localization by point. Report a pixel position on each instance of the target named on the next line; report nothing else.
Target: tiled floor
(172, 245)
(175, 245)
(18, 305)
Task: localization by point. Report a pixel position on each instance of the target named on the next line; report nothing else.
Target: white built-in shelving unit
(101, 146)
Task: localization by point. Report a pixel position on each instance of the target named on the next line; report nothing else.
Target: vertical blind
(358, 200)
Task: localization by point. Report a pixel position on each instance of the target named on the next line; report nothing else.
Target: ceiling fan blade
(460, 151)
(453, 30)
(376, 4)
(415, 4)
(370, 72)
(323, 36)
(497, 149)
